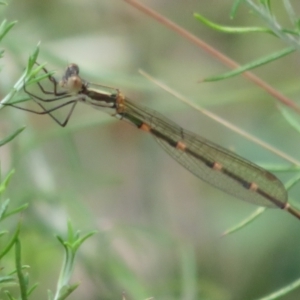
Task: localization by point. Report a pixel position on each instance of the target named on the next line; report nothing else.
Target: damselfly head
(72, 70)
(70, 80)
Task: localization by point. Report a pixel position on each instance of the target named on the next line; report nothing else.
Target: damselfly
(220, 167)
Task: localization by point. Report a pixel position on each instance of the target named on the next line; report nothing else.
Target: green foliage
(263, 10)
(11, 137)
(252, 65)
(71, 246)
(229, 29)
(20, 276)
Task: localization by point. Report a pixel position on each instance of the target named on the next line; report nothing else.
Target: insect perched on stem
(210, 162)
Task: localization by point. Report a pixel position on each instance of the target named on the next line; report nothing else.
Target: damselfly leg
(56, 97)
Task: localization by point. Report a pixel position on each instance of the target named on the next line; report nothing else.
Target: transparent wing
(199, 158)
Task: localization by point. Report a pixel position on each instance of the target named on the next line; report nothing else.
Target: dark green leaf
(11, 137)
(234, 8)
(245, 222)
(228, 29)
(22, 279)
(11, 242)
(5, 28)
(5, 182)
(252, 65)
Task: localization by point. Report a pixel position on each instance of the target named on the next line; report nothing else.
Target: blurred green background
(159, 226)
